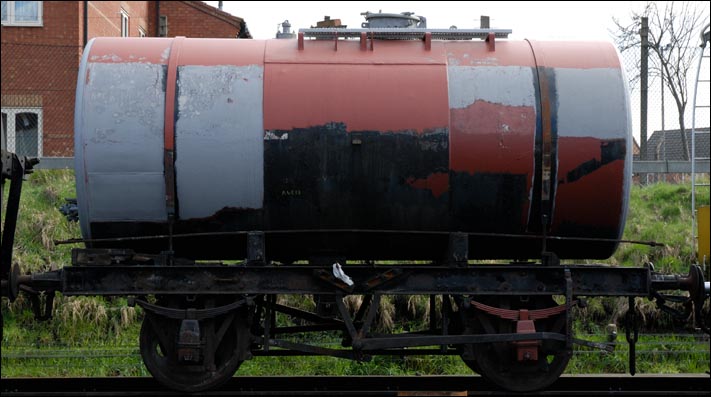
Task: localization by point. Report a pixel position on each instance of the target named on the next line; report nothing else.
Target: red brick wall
(105, 18)
(39, 69)
(59, 26)
(187, 20)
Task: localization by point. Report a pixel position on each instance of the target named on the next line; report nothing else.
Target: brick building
(42, 44)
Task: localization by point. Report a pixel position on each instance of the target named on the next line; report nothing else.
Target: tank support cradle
(256, 249)
(458, 251)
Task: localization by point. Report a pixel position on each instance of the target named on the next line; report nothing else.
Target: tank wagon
(374, 161)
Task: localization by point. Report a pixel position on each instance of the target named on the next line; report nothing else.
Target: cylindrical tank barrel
(374, 150)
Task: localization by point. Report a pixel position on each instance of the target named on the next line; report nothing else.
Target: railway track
(699, 384)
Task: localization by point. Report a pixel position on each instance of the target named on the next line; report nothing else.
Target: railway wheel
(192, 355)
(501, 362)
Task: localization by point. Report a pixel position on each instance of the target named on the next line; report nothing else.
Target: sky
(538, 20)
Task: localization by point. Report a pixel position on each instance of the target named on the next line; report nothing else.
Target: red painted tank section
(384, 98)
(490, 137)
(576, 55)
(437, 183)
(590, 201)
(176, 49)
(594, 199)
(493, 138)
(210, 52)
(125, 50)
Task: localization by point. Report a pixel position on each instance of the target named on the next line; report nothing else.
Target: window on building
(22, 131)
(163, 26)
(22, 13)
(141, 32)
(124, 23)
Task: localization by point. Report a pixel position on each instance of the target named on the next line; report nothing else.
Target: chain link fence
(662, 111)
(38, 90)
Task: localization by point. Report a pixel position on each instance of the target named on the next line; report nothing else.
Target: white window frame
(11, 131)
(11, 16)
(141, 32)
(125, 26)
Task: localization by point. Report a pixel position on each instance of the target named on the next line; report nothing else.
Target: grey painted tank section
(602, 112)
(506, 85)
(79, 168)
(219, 139)
(629, 156)
(120, 137)
(117, 195)
(591, 104)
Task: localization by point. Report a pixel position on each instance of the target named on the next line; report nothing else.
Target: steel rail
(687, 384)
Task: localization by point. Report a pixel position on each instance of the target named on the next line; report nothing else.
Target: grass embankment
(90, 336)
(660, 212)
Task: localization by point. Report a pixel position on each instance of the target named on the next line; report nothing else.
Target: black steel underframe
(586, 280)
(397, 344)
(372, 281)
(122, 273)
(116, 274)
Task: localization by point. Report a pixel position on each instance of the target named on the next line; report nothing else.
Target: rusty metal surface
(396, 134)
(507, 280)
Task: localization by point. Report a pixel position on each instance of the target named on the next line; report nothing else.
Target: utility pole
(644, 73)
(664, 129)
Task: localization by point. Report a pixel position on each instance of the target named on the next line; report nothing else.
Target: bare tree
(674, 30)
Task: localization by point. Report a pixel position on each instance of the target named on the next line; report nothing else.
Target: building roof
(661, 146)
(635, 149)
(222, 15)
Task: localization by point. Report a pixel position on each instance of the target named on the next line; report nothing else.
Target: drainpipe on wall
(86, 23)
(157, 18)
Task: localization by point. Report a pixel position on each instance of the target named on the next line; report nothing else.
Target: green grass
(660, 212)
(656, 353)
(379, 365)
(40, 222)
(90, 336)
